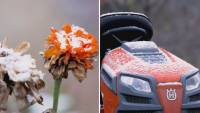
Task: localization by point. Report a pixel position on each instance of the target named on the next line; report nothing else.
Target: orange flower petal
(56, 52)
(54, 30)
(78, 49)
(79, 33)
(87, 64)
(94, 40)
(67, 41)
(57, 44)
(63, 51)
(67, 28)
(49, 52)
(66, 59)
(88, 36)
(47, 43)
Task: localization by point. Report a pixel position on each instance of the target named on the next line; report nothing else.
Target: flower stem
(56, 93)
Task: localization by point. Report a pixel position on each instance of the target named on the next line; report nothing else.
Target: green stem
(56, 93)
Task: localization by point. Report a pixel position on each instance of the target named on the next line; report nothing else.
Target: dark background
(176, 23)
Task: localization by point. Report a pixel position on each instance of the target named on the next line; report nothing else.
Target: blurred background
(176, 23)
(31, 21)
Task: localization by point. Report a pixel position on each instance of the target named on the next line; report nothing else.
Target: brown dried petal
(60, 60)
(12, 75)
(72, 64)
(78, 74)
(54, 59)
(65, 74)
(3, 86)
(4, 99)
(55, 72)
(22, 103)
(40, 84)
(23, 47)
(49, 111)
(94, 54)
(80, 67)
(5, 43)
(47, 65)
(90, 60)
(2, 70)
(61, 70)
(53, 67)
(19, 90)
(35, 93)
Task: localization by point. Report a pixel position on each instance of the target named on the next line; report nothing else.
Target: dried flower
(49, 111)
(70, 49)
(18, 75)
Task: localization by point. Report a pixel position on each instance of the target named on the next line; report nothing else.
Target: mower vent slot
(106, 78)
(193, 111)
(136, 111)
(146, 51)
(138, 100)
(195, 98)
(153, 58)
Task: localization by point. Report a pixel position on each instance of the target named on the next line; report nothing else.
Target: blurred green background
(22, 20)
(176, 23)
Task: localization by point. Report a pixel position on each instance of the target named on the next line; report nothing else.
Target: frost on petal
(18, 75)
(70, 49)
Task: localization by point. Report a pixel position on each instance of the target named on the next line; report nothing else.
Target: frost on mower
(137, 76)
(18, 75)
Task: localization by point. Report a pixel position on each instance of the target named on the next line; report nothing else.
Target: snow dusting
(108, 70)
(169, 71)
(24, 65)
(73, 40)
(169, 83)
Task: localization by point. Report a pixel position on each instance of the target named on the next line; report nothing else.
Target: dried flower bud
(68, 50)
(18, 75)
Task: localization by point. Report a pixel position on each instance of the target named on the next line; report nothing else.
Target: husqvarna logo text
(171, 94)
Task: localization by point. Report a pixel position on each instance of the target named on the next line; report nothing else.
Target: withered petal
(78, 74)
(40, 84)
(35, 93)
(22, 103)
(4, 99)
(72, 64)
(19, 90)
(80, 67)
(65, 74)
(55, 72)
(47, 65)
(5, 43)
(49, 111)
(94, 54)
(54, 60)
(12, 75)
(61, 70)
(3, 86)
(23, 47)
(60, 60)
